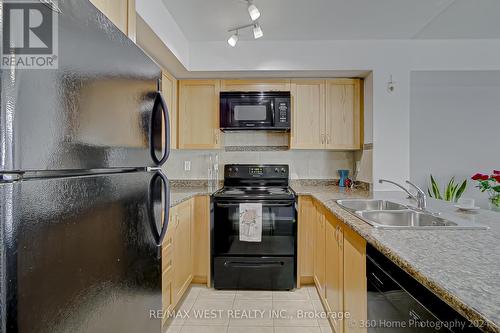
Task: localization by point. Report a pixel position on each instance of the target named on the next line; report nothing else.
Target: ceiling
(209, 20)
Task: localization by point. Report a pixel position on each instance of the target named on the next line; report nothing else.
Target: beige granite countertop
(460, 266)
(179, 194)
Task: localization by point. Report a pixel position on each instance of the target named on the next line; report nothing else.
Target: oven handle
(264, 204)
(243, 264)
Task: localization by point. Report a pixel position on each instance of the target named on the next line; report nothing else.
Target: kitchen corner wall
(304, 164)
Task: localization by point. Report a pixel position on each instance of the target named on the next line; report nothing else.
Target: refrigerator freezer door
(81, 255)
(93, 112)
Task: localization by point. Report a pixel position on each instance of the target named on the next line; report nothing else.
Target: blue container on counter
(344, 174)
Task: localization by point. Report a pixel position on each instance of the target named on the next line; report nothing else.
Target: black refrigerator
(83, 200)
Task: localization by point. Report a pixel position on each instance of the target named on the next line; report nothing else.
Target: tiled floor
(217, 311)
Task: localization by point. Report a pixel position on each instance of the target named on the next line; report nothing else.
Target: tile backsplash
(304, 164)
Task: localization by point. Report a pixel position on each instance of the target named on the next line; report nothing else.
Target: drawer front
(167, 293)
(269, 273)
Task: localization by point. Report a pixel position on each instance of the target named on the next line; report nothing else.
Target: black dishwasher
(398, 303)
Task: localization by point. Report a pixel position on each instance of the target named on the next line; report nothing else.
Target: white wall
(455, 123)
(391, 111)
(304, 164)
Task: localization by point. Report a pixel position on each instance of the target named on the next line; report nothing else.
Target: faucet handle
(421, 192)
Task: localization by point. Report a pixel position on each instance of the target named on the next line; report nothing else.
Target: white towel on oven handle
(250, 222)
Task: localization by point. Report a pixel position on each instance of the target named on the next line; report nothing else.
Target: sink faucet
(421, 197)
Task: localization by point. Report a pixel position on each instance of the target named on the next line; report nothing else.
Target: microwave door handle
(273, 112)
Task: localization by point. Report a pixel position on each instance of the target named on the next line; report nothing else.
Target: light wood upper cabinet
(327, 114)
(199, 114)
(169, 91)
(308, 114)
(256, 85)
(121, 13)
(355, 290)
(183, 251)
(343, 114)
(319, 253)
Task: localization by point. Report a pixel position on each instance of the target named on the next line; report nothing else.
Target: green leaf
(461, 190)
(435, 189)
(448, 190)
(496, 188)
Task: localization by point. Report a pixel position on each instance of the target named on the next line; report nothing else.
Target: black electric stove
(269, 264)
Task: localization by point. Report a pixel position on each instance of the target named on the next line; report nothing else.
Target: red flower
(496, 177)
(480, 176)
(496, 172)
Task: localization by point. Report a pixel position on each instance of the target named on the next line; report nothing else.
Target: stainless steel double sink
(391, 215)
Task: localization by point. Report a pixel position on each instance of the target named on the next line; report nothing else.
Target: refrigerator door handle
(159, 102)
(159, 236)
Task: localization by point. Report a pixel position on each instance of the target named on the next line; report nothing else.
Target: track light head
(233, 39)
(253, 11)
(257, 31)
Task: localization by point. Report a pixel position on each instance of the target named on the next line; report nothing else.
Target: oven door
(247, 112)
(279, 229)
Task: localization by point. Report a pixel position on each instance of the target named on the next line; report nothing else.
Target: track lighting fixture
(257, 31)
(233, 39)
(253, 10)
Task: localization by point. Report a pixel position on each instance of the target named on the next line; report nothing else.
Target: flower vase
(494, 201)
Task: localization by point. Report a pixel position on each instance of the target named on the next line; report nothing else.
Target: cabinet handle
(322, 139)
(328, 139)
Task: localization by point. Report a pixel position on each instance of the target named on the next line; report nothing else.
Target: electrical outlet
(187, 165)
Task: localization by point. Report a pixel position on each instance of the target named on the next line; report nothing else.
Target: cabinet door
(201, 240)
(343, 114)
(319, 253)
(256, 85)
(167, 253)
(355, 292)
(183, 258)
(169, 91)
(121, 13)
(199, 114)
(307, 213)
(334, 270)
(308, 114)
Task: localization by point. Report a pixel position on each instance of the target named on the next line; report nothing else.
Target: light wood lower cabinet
(319, 252)
(201, 240)
(355, 295)
(334, 276)
(167, 287)
(185, 250)
(339, 265)
(121, 12)
(183, 255)
(199, 114)
(305, 241)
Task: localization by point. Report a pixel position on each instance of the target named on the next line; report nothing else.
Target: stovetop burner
(256, 181)
(257, 192)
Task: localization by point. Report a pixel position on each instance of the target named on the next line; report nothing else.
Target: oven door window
(278, 230)
(248, 112)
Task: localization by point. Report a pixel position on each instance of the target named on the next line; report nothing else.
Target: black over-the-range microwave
(255, 111)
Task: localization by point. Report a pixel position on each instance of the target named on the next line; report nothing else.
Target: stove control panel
(251, 171)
